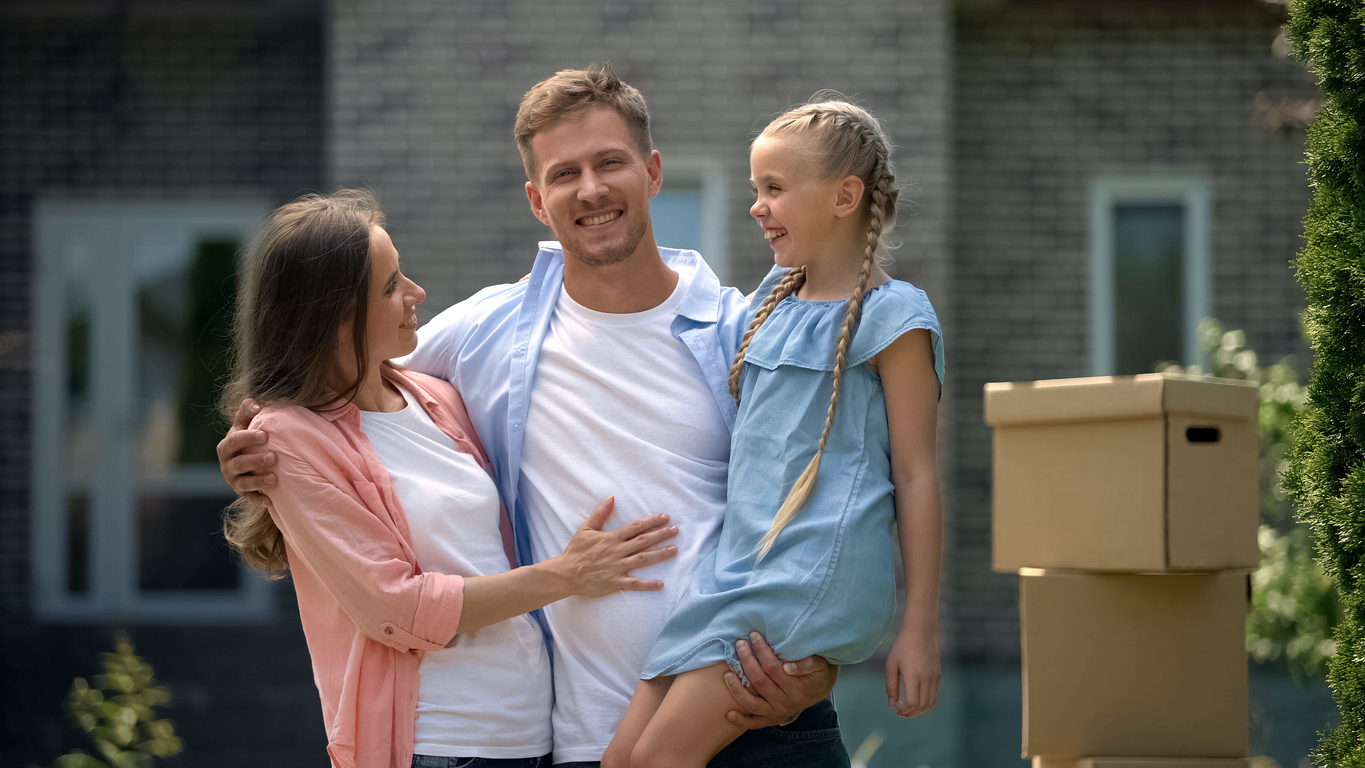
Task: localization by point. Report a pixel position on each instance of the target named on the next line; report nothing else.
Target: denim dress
(828, 585)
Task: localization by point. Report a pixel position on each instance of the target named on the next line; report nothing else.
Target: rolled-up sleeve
(340, 530)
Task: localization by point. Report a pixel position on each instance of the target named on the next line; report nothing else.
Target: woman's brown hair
(306, 275)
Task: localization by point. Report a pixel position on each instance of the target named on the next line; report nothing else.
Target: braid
(789, 285)
(882, 203)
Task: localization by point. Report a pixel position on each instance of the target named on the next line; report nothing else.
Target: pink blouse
(368, 611)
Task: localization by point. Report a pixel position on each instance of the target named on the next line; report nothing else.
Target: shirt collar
(700, 304)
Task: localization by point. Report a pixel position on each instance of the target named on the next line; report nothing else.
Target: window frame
(1196, 302)
(709, 175)
(119, 226)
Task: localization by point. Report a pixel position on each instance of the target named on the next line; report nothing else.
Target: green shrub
(118, 715)
(1326, 476)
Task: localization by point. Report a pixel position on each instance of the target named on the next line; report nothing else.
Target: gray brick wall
(128, 99)
(422, 96)
(1048, 96)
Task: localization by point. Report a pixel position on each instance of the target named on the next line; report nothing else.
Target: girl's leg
(690, 726)
(649, 694)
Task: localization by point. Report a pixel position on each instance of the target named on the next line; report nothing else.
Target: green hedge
(1326, 476)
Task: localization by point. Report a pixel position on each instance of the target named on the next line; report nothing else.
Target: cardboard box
(1130, 474)
(1140, 665)
(1140, 762)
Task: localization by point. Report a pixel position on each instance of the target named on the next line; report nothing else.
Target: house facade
(1085, 182)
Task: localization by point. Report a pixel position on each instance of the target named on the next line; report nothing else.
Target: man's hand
(778, 691)
(247, 473)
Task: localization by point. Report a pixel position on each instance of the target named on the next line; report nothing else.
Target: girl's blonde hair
(847, 140)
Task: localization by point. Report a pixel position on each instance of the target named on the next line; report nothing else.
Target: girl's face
(391, 322)
(796, 208)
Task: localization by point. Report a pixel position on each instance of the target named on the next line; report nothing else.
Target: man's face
(592, 187)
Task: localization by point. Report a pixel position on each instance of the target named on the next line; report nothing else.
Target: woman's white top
(490, 694)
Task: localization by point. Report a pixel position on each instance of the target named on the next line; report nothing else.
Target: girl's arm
(907, 372)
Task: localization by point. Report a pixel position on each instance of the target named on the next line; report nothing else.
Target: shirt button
(388, 630)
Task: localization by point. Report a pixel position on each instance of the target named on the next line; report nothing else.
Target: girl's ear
(848, 196)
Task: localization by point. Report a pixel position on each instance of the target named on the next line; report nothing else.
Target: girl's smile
(809, 221)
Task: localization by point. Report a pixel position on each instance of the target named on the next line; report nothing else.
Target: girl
(385, 515)
(834, 441)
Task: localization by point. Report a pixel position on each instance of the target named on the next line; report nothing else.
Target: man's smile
(599, 219)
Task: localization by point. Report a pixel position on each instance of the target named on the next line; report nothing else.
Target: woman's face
(391, 325)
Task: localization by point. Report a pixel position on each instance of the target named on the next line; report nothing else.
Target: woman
(384, 512)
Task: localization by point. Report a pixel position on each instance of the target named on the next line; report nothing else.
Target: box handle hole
(1202, 434)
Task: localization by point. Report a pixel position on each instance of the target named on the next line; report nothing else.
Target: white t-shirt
(488, 695)
(619, 407)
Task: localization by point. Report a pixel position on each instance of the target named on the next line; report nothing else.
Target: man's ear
(848, 196)
(537, 203)
(654, 166)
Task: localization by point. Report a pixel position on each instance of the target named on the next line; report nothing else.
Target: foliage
(118, 714)
(1326, 476)
(1294, 605)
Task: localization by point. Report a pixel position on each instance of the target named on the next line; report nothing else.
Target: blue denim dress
(827, 586)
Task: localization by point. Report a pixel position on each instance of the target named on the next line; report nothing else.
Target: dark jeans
(810, 741)
(430, 761)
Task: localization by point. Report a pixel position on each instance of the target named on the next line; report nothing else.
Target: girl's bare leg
(649, 694)
(690, 726)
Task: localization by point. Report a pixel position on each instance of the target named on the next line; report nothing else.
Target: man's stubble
(609, 254)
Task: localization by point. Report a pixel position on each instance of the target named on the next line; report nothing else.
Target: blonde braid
(788, 285)
(882, 198)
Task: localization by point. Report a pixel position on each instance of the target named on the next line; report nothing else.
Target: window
(1149, 272)
(132, 315)
(689, 212)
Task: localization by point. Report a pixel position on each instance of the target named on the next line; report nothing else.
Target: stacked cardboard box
(1128, 506)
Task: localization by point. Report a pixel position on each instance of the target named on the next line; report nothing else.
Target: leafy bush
(118, 715)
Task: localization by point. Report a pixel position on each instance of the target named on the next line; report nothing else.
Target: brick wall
(422, 96)
(157, 101)
(1048, 96)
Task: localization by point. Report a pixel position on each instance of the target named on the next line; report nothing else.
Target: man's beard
(609, 254)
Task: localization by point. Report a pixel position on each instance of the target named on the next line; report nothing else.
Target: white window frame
(709, 174)
(1196, 302)
(118, 228)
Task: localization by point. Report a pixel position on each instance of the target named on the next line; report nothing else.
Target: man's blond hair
(571, 92)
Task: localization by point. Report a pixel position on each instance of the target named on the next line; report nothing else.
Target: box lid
(1106, 398)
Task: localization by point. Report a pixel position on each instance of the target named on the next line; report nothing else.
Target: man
(605, 372)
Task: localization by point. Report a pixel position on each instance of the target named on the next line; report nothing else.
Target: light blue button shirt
(488, 346)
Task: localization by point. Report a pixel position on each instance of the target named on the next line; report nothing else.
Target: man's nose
(590, 186)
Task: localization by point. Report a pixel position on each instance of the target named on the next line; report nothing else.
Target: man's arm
(778, 691)
(247, 473)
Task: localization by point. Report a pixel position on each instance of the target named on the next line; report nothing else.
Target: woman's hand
(913, 661)
(599, 562)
